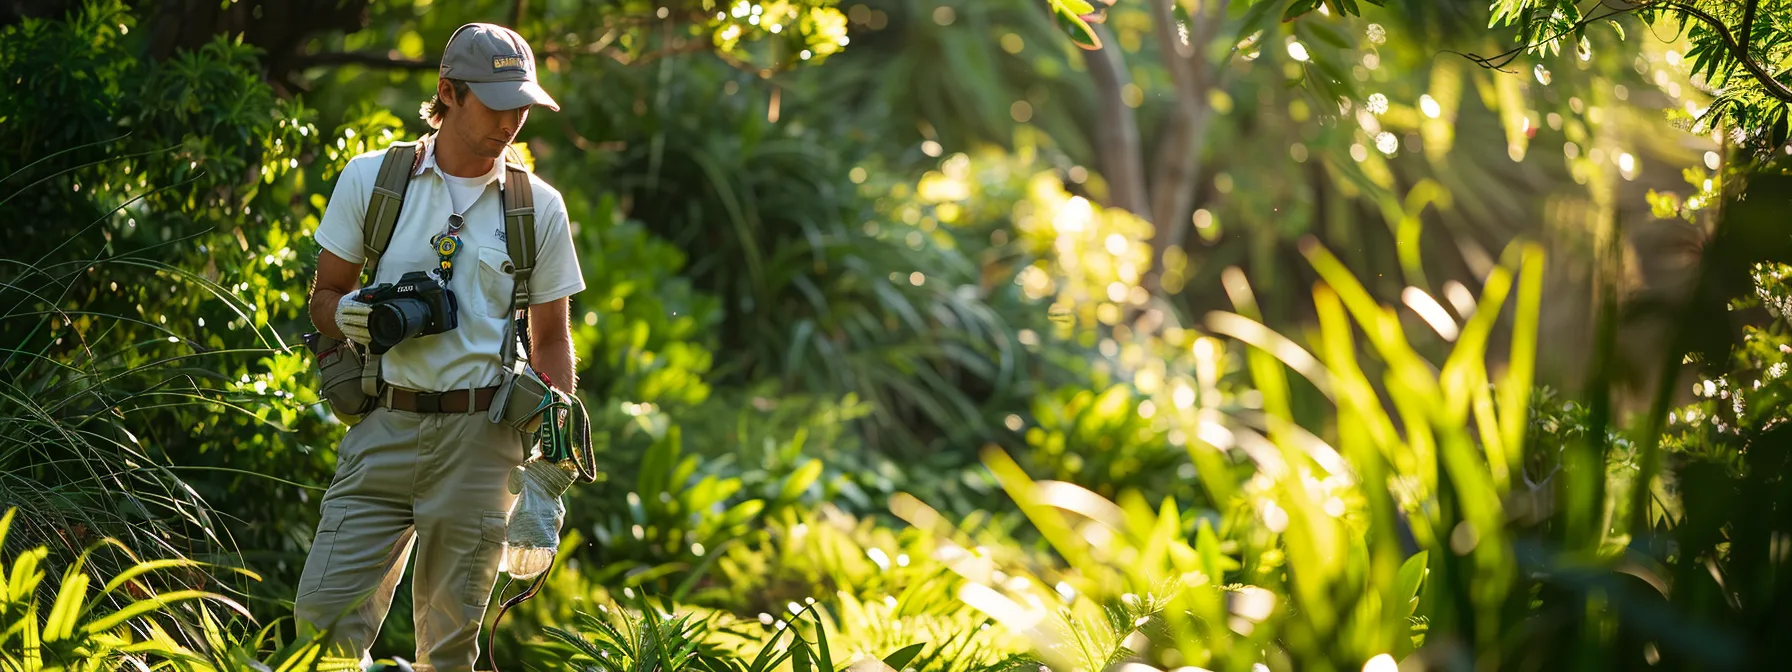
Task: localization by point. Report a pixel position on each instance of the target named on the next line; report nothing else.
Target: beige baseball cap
(497, 64)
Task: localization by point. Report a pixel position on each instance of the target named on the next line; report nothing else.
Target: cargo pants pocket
(483, 572)
(317, 562)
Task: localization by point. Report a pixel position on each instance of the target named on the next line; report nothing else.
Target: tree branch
(681, 48)
(368, 59)
(1506, 57)
(1748, 20)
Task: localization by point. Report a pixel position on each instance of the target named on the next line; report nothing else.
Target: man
(434, 475)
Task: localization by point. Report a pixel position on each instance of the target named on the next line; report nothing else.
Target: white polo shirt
(469, 355)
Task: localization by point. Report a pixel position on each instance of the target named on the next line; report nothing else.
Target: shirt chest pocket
(497, 280)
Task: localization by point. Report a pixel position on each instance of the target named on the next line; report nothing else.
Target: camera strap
(381, 220)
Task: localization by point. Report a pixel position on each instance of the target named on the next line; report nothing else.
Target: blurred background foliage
(1286, 334)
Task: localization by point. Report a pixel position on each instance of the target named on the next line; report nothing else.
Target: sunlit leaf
(1299, 9)
(1080, 32)
(1410, 578)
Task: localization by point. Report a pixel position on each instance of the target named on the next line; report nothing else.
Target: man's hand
(351, 318)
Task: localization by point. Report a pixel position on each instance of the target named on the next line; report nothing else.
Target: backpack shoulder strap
(376, 229)
(388, 199)
(519, 231)
(519, 238)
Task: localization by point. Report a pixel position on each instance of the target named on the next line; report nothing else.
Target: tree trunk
(1178, 167)
(1121, 159)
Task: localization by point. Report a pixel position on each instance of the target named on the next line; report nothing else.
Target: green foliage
(672, 513)
(898, 313)
(131, 621)
(1301, 566)
(134, 310)
(1104, 440)
(618, 644)
(642, 639)
(1734, 53)
(766, 36)
(644, 335)
(798, 322)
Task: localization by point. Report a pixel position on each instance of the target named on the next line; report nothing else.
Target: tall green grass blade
(823, 658)
(1515, 390)
(803, 660)
(1015, 482)
(159, 602)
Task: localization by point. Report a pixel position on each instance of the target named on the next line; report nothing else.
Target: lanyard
(446, 245)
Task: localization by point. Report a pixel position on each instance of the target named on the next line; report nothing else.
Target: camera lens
(396, 320)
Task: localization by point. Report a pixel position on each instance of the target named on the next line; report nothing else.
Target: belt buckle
(429, 402)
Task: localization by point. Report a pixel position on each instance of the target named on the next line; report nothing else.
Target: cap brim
(512, 95)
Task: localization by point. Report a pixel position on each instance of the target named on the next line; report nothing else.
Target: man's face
(484, 130)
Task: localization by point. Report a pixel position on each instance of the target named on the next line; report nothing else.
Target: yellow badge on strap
(446, 246)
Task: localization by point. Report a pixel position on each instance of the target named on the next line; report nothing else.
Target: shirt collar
(429, 163)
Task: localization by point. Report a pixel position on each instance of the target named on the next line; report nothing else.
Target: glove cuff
(351, 318)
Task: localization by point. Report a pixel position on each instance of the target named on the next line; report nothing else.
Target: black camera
(416, 305)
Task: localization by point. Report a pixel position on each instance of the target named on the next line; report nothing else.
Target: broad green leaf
(800, 481)
(902, 656)
(1325, 34)
(33, 639)
(25, 575)
(1299, 9)
(1411, 577)
(1078, 29)
(742, 512)
(1077, 7)
(1212, 560)
(67, 607)
(1157, 547)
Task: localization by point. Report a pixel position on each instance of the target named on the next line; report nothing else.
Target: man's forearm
(323, 312)
(553, 357)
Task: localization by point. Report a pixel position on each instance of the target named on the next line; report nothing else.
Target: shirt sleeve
(340, 229)
(557, 274)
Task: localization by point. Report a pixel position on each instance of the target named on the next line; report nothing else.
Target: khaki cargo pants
(435, 481)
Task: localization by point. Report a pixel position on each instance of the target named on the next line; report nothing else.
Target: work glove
(534, 533)
(351, 318)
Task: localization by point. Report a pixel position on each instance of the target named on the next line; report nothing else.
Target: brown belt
(452, 401)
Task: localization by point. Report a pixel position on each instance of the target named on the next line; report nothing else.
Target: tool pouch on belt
(520, 400)
(522, 394)
(339, 365)
(349, 379)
